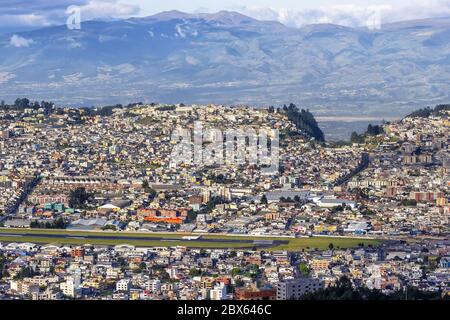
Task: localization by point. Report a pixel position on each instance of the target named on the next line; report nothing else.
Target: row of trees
(428, 111)
(107, 111)
(78, 198)
(408, 203)
(3, 269)
(56, 224)
(25, 103)
(220, 178)
(151, 192)
(25, 272)
(213, 202)
(372, 130)
(363, 164)
(343, 290)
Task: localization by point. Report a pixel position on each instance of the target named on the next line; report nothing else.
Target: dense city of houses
(123, 162)
(55, 271)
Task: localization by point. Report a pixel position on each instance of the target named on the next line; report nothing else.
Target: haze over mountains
(230, 58)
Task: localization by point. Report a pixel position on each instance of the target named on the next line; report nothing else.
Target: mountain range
(229, 58)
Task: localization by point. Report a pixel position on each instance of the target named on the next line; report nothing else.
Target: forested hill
(305, 121)
(428, 111)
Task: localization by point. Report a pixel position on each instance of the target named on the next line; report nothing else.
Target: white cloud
(350, 15)
(43, 13)
(419, 10)
(290, 12)
(192, 60)
(73, 78)
(18, 41)
(24, 21)
(108, 9)
(6, 76)
(30, 19)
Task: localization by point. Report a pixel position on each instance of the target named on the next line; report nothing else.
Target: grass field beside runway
(322, 243)
(154, 240)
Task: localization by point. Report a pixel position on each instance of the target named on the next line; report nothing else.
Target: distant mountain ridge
(229, 58)
(221, 16)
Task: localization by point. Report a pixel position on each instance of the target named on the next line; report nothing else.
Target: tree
(428, 111)
(344, 290)
(2, 265)
(151, 194)
(51, 270)
(212, 203)
(356, 138)
(374, 130)
(59, 223)
(22, 103)
(408, 202)
(236, 271)
(264, 200)
(305, 121)
(78, 198)
(109, 227)
(239, 283)
(142, 266)
(191, 216)
(122, 262)
(25, 272)
(304, 270)
(149, 190)
(56, 224)
(194, 272)
(331, 246)
(164, 276)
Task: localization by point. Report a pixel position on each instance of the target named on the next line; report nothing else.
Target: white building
(123, 285)
(23, 287)
(71, 286)
(296, 288)
(219, 292)
(332, 203)
(154, 285)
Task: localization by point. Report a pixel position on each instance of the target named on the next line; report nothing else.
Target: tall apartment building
(295, 289)
(72, 286)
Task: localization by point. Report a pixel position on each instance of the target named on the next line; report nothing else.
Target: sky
(17, 15)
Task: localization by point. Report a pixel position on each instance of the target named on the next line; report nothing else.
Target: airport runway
(256, 243)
